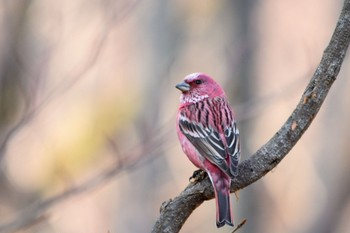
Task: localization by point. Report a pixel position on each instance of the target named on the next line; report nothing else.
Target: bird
(208, 134)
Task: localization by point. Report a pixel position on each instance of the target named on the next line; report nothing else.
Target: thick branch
(174, 213)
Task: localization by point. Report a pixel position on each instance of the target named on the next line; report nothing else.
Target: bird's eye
(199, 81)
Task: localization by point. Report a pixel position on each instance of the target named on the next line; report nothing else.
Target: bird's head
(198, 86)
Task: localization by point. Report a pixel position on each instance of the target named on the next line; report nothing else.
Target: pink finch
(209, 136)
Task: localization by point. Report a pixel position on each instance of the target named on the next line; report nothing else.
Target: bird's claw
(197, 176)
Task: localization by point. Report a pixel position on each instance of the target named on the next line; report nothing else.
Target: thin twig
(239, 225)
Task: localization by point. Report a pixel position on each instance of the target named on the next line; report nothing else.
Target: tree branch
(174, 213)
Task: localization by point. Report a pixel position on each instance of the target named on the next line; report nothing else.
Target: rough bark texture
(174, 212)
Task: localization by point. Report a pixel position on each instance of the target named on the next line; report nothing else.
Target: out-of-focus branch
(74, 77)
(174, 213)
(38, 211)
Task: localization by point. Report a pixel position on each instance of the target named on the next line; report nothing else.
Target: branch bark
(174, 212)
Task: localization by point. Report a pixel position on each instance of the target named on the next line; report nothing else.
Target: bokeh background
(88, 105)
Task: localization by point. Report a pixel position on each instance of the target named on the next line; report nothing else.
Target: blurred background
(88, 106)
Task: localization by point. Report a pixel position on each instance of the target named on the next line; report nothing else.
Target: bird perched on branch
(209, 136)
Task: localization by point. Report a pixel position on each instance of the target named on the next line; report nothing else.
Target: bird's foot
(197, 176)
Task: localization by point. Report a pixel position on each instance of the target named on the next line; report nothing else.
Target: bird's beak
(183, 86)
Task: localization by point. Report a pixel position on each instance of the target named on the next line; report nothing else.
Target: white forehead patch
(191, 77)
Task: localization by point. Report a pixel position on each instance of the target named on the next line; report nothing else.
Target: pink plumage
(209, 136)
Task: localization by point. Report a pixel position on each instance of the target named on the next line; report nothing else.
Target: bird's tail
(223, 206)
(223, 209)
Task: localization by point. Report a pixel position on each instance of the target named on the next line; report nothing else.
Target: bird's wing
(207, 141)
(233, 147)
